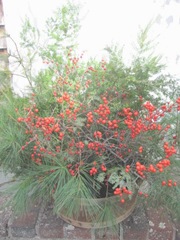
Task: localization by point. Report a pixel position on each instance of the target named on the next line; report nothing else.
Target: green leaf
(80, 122)
(100, 178)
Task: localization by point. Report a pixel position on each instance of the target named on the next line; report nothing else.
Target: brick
(49, 225)
(5, 214)
(161, 226)
(177, 229)
(24, 225)
(135, 227)
(136, 235)
(72, 232)
(110, 233)
(177, 235)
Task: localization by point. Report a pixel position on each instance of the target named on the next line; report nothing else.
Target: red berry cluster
(178, 104)
(113, 124)
(127, 168)
(89, 117)
(169, 150)
(169, 183)
(103, 168)
(121, 192)
(80, 145)
(140, 168)
(163, 164)
(160, 166)
(93, 171)
(81, 129)
(143, 194)
(97, 147)
(97, 134)
(73, 169)
(149, 106)
(103, 111)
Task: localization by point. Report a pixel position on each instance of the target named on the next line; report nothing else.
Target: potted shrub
(84, 145)
(80, 149)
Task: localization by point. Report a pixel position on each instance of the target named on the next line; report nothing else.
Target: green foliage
(4, 77)
(144, 76)
(61, 34)
(5, 74)
(63, 27)
(11, 135)
(29, 36)
(165, 196)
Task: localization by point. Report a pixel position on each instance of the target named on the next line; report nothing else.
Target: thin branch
(21, 62)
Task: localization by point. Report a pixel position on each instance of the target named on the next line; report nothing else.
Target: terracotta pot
(95, 217)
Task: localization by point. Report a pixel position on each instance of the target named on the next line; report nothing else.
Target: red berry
(122, 200)
(163, 183)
